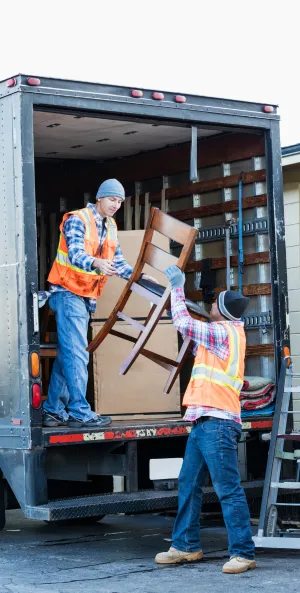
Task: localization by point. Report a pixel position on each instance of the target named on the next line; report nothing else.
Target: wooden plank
(157, 258)
(128, 214)
(260, 350)
(146, 209)
(172, 228)
(248, 290)
(221, 208)
(48, 353)
(218, 263)
(73, 177)
(176, 159)
(208, 185)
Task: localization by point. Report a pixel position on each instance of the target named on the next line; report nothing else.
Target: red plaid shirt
(213, 336)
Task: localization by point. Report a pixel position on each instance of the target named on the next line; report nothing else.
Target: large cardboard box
(139, 393)
(137, 306)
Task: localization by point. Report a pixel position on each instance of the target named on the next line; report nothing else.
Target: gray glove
(175, 276)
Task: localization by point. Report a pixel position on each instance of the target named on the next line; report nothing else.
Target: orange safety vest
(217, 383)
(87, 284)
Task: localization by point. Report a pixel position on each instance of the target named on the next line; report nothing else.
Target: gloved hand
(175, 276)
(150, 278)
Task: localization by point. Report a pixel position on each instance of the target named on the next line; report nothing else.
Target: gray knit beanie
(111, 188)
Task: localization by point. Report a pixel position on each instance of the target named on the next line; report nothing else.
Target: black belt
(203, 419)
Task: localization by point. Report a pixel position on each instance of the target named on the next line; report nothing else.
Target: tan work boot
(173, 556)
(236, 564)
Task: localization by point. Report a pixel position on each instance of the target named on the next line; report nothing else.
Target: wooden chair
(48, 326)
(155, 257)
(47, 349)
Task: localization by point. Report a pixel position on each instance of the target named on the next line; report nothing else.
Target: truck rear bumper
(121, 502)
(125, 430)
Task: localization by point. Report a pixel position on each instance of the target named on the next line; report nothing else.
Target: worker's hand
(105, 266)
(175, 276)
(150, 278)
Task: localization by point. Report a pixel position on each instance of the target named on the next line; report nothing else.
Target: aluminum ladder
(269, 536)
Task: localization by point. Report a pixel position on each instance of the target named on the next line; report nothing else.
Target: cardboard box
(139, 393)
(137, 306)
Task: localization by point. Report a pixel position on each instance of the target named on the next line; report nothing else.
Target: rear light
(269, 109)
(11, 82)
(180, 99)
(33, 81)
(287, 354)
(34, 364)
(136, 93)
(158, 96)
(36, 396)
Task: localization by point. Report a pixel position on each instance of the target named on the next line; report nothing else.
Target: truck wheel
(2, 504)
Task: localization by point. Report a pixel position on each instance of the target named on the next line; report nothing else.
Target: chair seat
(159, 289)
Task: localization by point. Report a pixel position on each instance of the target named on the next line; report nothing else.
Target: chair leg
(181, 358)
(145, 335)
(101, 335)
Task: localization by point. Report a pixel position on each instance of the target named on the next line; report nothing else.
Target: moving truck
(187, 155)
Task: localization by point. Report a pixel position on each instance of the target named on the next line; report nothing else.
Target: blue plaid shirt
(74, 232)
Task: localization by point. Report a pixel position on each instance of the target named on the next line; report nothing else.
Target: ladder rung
(286, 485)
(289, 543)
(287, 504)
(292, 389)
(292, 436)
(290, 411)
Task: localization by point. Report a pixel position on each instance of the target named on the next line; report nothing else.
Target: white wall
(292, 224)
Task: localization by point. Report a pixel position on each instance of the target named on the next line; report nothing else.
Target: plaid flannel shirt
(74, 232)
(213, 336)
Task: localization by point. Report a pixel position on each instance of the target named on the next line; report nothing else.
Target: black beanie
(232, 304)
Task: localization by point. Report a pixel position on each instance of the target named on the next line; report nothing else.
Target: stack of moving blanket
(257, 397)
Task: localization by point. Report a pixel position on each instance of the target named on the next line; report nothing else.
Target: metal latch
(35, 299)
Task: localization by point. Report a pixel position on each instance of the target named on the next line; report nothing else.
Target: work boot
(98, 422)
(52, 420)
(173, 556)
(236, 564)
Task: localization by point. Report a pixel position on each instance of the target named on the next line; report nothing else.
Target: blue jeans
(213, 444)
(67, 389)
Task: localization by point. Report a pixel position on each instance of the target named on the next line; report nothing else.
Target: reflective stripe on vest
(63, 260)
(229, 377)
(81, 282)
(62, 256)
(87, 220)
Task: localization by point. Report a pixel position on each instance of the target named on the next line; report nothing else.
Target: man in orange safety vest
(88, 253)
(213, 408)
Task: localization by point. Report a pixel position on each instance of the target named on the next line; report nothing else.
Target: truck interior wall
(63, 185)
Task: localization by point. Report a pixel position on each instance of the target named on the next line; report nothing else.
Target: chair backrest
(175, 230)
(158, 258)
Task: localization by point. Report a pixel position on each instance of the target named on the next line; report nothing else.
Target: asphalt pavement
(116, 555)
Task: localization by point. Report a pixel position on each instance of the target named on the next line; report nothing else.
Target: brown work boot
(236, 564)
(173, 556)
